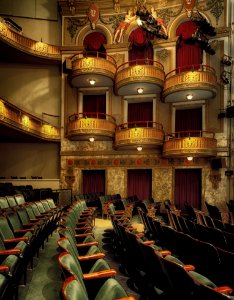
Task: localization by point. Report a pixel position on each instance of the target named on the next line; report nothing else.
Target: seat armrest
(16, 240)
(92, 256)
(84, 234)
(95, 243)
(13, 251)
(100, 274)
(227, 290)
(4, 268)
(188, 267)
(149, 242)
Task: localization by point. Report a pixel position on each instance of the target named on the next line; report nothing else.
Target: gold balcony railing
(92, 65)
(146, 73)
(37, 48)
(194, 143)
(82, 126)
(148, 134)
(13, 117)
(198, 80)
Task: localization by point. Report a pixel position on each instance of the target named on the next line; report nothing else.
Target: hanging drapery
(93, 43)
(93, 181)
(188, 119)
(140, 112)
(139, 184)
(187, 188)
(187, 55)
(95, 104)
(141, 46)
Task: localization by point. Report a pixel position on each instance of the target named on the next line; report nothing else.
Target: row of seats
(87, 275)
(24, 227)
(211, 261)
(156, 271)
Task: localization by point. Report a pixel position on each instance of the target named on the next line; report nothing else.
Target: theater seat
(72, 289)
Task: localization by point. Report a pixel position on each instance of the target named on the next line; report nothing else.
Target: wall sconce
(226, 60)
(189, 158)
(92, 81)
(189, 97)
(140, 90)
(91, 139)
(139, 148)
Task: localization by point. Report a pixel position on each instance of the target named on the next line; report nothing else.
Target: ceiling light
(140, 90)
(189, 158)
(91, 139)
(139, 148)
(189, 97)
(92, 81)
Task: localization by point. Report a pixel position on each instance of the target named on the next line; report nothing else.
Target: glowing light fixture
(139, 148)
(189, 97)
(92, 81)
(189, 158)
(140, 90)
(91, 139)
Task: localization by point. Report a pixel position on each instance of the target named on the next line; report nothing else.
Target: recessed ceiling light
(92, 81)
(140, 90)
(91, 139)
(189, 97)
(139, 148)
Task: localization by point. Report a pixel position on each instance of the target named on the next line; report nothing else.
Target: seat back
(19, 198)
(4, 203)
(5, 230)
(11, 201)
(70, 268)
(72, 289)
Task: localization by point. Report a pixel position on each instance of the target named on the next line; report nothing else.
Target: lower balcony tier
(190, 144)
(90, 126)
(139, 135)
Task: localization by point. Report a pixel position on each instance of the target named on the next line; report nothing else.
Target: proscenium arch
(86, 30)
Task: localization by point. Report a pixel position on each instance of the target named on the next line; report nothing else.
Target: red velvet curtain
(187, 54)
(188, 119)
(140, 112)
(95, 103)
(94, 42)
(141, 46)
(187, 188)
(140, 183)
(93, 181)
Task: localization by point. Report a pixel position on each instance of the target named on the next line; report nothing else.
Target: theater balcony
(139, 135)
(91, 69)
(20, 126)
(143, 75)
(193, 143)
(193, 82)
(90, 126)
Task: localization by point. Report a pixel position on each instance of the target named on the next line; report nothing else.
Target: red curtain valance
(94, 41)
(139, 37)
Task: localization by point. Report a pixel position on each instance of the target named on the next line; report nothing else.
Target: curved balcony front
(143, 134)
(193, 143)
(86, 125)
(147, 74)
(199, 81)
(96, 66)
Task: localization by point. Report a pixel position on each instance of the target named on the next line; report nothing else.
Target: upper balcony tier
(94, 125)
(91, 66)
(143, 134)
(193, 143)
(199, 81)
(146, 74)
